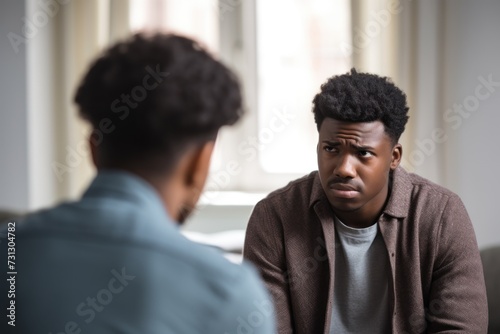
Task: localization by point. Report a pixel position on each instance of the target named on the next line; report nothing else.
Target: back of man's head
(151, 96)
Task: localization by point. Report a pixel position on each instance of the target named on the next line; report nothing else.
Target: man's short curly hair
(152, 95)
(362, 97)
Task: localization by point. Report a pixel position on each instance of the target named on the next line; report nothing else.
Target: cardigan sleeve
(264, 247)
(457, 300)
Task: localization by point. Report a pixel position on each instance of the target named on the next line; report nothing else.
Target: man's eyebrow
(364, 147)
(331, 143)
(358, 147)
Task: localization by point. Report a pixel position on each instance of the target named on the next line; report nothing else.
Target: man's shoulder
(422, 186)
(97, 220)
(128, 230)
(210, 265)
(414, 193)
(216, 291)
(182, 274)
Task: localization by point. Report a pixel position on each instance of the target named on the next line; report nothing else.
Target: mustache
(344, 182)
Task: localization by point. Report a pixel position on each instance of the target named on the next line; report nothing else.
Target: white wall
(37, 116)
(472, 30)
(14, 178)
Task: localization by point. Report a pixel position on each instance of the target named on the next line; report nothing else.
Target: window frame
(238, 49)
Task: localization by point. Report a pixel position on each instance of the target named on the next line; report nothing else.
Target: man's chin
(344, 206)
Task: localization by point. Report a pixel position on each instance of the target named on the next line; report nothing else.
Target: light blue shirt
(114, 262)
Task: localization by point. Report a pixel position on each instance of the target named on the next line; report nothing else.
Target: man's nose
(345, 167)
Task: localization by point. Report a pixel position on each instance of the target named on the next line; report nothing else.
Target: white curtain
(58, 55)
(403, 40)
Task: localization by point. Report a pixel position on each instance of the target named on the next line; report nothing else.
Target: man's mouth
(343, 190)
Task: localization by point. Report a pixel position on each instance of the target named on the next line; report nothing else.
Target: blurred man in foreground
(362, 246)
(114, 261)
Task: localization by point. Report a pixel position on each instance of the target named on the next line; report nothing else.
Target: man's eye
(330, 149)
(365, 154)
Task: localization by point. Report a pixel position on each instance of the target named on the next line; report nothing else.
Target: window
(297, 50)
(197, 19)
(282, 50)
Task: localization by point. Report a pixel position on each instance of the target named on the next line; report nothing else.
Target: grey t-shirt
(360, 294)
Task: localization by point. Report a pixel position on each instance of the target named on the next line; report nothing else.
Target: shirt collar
(399, 199)
(129, 187)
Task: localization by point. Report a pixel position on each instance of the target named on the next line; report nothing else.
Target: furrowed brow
(331, 143)
(363, 147)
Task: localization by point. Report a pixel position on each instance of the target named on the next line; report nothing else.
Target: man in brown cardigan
(362, 246)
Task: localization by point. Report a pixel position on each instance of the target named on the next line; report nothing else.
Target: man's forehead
(332, 129)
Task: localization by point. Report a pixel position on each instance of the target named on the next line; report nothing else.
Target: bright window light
(298, 48)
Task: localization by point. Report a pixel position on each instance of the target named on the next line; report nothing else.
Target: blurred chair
(5, 216)
(491, 266)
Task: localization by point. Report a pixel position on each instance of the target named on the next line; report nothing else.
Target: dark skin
(181, 187)
(354, 164)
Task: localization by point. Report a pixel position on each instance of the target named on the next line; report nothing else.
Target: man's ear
(397, 154)
(198, 166)
(188, 180)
